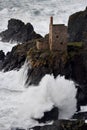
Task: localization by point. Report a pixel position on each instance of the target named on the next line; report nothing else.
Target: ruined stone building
(57, 38)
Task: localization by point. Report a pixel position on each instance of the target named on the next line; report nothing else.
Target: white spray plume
(50, 92)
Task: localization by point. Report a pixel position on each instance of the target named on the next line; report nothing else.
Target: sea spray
(23, 74)
(50, 92)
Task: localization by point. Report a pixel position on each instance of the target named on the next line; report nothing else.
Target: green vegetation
(76, 44)
(74, 48)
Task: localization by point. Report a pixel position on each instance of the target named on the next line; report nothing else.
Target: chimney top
(51, 20)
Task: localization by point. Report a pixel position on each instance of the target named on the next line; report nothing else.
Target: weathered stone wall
(43, 44)
(58, 37)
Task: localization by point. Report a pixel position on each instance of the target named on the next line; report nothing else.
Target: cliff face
(44, 62)
(73, 65)
(76, 69)
(16, 58)
(77, 26)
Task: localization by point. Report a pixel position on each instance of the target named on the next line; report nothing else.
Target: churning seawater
(16, 101)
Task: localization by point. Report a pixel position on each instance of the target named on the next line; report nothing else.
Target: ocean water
(14, 96)
(38, 11)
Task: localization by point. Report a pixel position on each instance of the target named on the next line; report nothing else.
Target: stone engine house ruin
(57, 38)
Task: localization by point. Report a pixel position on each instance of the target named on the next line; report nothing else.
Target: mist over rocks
(19, 31)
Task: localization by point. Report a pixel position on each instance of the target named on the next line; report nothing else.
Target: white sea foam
(83, 108)
(19, 104)
(50, 92)
(6, 47)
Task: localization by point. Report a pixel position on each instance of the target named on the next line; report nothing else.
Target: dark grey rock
(19, 32)
(77, 26)
(80, 115)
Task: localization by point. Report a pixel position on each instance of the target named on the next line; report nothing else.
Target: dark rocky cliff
(77, 26)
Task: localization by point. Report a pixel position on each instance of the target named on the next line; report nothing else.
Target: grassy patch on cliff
(76, 44)
(74, 48)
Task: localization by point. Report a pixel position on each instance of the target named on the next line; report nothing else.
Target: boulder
(19, 32)
(77, 26)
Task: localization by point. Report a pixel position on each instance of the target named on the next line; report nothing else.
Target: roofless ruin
(57, 38)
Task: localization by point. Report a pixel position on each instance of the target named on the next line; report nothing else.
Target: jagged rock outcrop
(16, 58)
(77, 26)
(44, 62)
(19, 32)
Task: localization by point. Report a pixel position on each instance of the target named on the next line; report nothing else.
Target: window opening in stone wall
(57, 36)
(61, 43)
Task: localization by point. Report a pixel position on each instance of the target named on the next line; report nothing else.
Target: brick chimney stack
(51, 20)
